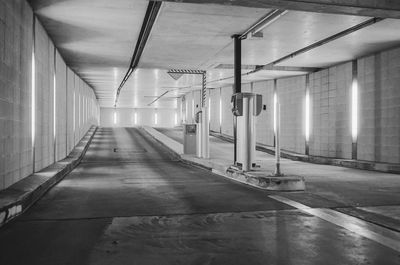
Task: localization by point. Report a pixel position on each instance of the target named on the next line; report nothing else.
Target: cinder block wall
(145, 116)
(379, 127)
(17, 158)
(290, 94)
(330, 110)
(264, 122)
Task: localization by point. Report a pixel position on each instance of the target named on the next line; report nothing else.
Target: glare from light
(79, 111)
(54, 106)
(74, 111)
(275, 103)
(307, 118)
(176, 118)
(155, 118)
(181, 107)
(135, 118)
(209, 109)
(193, 110)
(220, 112)
(33, 105)
(354, 110)
(115, 117)
(186, 110)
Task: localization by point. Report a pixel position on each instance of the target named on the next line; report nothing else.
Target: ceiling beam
(369, 8)
(270, 67)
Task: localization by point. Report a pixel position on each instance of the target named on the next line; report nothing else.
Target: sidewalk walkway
(368, 195)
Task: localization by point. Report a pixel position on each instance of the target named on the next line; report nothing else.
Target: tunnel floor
(130, 201)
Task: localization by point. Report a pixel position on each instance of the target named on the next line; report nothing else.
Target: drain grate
(130, 151)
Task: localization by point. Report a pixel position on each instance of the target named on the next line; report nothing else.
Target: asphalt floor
(131, 201)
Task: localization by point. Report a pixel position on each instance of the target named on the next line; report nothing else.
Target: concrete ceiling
(97, 38)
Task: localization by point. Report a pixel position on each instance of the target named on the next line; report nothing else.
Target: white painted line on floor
(381, 235)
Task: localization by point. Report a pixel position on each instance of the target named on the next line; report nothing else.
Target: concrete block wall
(44, 65)
(330, 110)
(290, 94)
(265, 121)
(227, 116)
(330, 97)
(17, 159)
(214, 109)
(145, 117)
(61, 108)
(15, 79)
(379, 126)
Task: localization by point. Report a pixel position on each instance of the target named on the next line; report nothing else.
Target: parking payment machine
(202, 139)
(189, 139)
(246, 106)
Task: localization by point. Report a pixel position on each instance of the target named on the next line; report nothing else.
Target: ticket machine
(246, 106)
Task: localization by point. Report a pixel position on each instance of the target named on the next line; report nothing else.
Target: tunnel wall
(19, 156)
(125, 117)
(378, 139)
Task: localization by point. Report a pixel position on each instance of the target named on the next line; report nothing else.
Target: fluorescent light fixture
(193, 111)
(354, 110)
(33, 103)
(275, 103)
(155, 118)
(220, 112)
(209, 109)
(74, 111)
(307, 118)
(79, 111)
(54, 106)
(176, 118)
(115, 117)
(186, 111)
(135, 118)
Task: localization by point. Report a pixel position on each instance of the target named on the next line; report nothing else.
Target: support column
(205, 147)
(237, 43)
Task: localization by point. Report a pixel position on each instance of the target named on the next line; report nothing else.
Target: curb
(348, 163)
(17, 198)
(286, 183)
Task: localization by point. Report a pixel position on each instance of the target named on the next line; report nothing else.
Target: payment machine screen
(191, 129)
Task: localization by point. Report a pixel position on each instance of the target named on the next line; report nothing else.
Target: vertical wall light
(176, 118)
(220, 110)
(33, 105)
(181, 108)
(73, 115)
(186, 111)
(155, 118)
(135, 118)
(354, 109)
(209, 110)
(193, 110)
(115, 117)
(275, 103)
(307, 115)
(54, 111)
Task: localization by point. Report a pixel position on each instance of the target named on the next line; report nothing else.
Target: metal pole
(237, 85)
(277, 147)
(205, 147)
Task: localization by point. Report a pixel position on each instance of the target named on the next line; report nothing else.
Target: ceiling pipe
(148, 22)
(158, 98)
(264, 22)
(320, 43)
